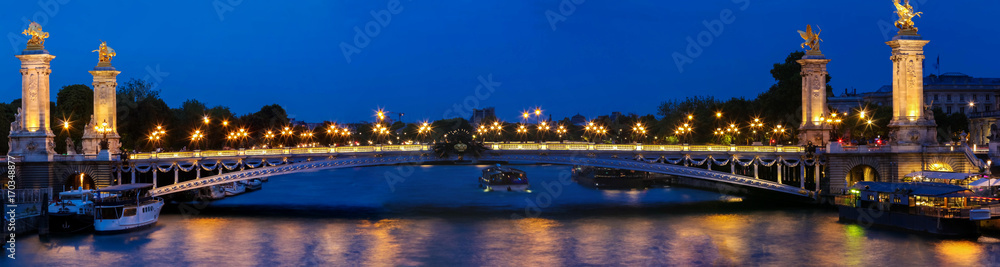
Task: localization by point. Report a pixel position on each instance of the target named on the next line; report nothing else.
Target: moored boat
(504, 178)
(234, 188)
(611, 178)
(253, 185)
(935, 208)
(126, 207)
(73, 212)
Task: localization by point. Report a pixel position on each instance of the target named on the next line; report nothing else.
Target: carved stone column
(912, 122)
(31, 136)
(813, 129)
(105, 110)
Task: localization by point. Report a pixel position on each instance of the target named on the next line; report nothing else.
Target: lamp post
(561, 130)
(425, 129)
(541, 130)
(639, 131)
(104, 129)
(195, 137)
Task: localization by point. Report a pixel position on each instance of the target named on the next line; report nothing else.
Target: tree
(131, 123)
(74, 107)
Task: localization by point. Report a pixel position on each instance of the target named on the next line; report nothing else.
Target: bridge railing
(573, 146)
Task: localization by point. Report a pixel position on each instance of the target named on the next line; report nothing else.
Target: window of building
(973, 97)
(961, 110)
(987, 97)
(948, 97)
(961, 98)
(935, 97)
(948, 110)
(975, 109)
(986, 108)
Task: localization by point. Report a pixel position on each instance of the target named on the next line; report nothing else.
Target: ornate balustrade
(491, 145)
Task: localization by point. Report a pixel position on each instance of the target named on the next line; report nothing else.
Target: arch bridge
(700, 162)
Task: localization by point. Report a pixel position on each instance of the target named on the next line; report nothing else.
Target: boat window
(129, 212)
(108, 213)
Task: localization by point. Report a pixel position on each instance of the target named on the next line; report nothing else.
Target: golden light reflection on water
(740, 239)
(521, 242)
(959, 253)
(382, 245)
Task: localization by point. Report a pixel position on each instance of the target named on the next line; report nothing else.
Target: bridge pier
(802, 175)
(779, 171)
(756, 173)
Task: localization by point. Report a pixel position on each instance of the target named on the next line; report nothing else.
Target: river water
(437, 216)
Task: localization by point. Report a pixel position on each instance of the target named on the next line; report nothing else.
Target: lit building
(953, 92)
(480, 115)
(578, 120)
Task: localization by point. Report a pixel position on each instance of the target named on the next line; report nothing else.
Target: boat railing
(846, 200)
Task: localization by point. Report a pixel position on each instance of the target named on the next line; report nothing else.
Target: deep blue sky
(429, 56)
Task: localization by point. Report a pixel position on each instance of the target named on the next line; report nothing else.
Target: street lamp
(561, 131)
(425, 128)
(639, 131)
(541, 130)
(196, 136)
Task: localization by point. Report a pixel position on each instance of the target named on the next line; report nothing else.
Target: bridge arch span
(620, 163)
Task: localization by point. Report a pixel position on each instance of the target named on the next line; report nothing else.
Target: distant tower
(912, 123)
(31, 136)
(105, 112)
(813, 128)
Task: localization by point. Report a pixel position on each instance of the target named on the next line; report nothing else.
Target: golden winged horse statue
(905, 12)
(811, 39)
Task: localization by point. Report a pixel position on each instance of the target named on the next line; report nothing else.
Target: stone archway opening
(862, 173)
(79, 180)
(939, 167)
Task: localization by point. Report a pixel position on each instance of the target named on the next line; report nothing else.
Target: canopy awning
(941, 175)
(986, 182)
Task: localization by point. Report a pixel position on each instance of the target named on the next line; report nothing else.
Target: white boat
(254, 185)
(504, 179)
(126, 207)
(73, 212)
(234, 188)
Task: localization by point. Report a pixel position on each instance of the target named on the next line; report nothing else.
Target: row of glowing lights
(497, 126)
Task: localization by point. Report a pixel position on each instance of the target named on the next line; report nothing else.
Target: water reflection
(632, 228)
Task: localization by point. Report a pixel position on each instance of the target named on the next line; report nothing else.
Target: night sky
(604, 56)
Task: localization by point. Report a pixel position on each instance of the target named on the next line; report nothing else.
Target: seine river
(437, 216)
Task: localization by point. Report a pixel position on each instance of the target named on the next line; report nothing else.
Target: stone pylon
(31, 136)
(813, 128)
(105, 111)
(912, 122)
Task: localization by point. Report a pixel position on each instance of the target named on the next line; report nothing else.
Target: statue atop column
(105, 54)
(906, 14)
(811, 40)
(37, 41)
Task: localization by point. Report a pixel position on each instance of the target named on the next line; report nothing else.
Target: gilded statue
(37, 35)
(905, 12)
(105, 53)
(811, 39)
